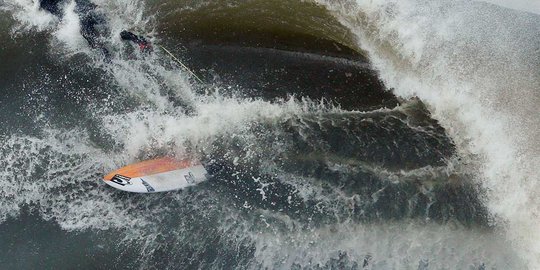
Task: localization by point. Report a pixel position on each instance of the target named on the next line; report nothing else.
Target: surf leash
(182, 64)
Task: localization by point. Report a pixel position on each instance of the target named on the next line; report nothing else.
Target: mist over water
(339, 135)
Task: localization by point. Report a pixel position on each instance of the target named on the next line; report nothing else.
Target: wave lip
(474, 65)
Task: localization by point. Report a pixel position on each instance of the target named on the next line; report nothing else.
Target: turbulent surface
(339, 135)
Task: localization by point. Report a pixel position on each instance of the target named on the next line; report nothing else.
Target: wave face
(476, 70)
(340, 134)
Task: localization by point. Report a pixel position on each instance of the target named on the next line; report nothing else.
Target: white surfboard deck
(157, 175)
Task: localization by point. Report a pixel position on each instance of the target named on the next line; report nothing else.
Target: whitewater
(341, 134)
(487, 102)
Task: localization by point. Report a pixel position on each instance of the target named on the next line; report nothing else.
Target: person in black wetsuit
(144, 45)
(89, 20)
(92, 24)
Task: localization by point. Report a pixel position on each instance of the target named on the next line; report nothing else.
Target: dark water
(315, 163)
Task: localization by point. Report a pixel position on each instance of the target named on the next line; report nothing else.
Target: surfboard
(157, 175)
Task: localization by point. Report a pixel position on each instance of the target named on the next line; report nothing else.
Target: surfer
(90, 20)
(144, 45)
(93, 24)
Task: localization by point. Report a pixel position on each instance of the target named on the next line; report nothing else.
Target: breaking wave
(341, 134)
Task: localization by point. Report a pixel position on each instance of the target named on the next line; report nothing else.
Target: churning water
(341, 134)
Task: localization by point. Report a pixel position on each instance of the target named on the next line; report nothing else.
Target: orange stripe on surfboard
(151, 167)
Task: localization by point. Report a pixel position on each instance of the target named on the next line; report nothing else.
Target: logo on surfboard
(148, 187)
(121, 180)
(190, 178)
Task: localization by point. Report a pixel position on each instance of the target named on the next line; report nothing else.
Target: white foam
(287, 244)
(523, 5)
(57, 175)
(474, 66)
(216, 116)
(68, 31)
(29, 15)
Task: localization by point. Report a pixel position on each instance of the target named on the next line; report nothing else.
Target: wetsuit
(89, 19)
(144, 45)
(90, 22)
(51, 6)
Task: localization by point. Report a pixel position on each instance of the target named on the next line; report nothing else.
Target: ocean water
(340, 134)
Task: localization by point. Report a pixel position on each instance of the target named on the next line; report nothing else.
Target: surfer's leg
(91, 22)
(51, 6)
